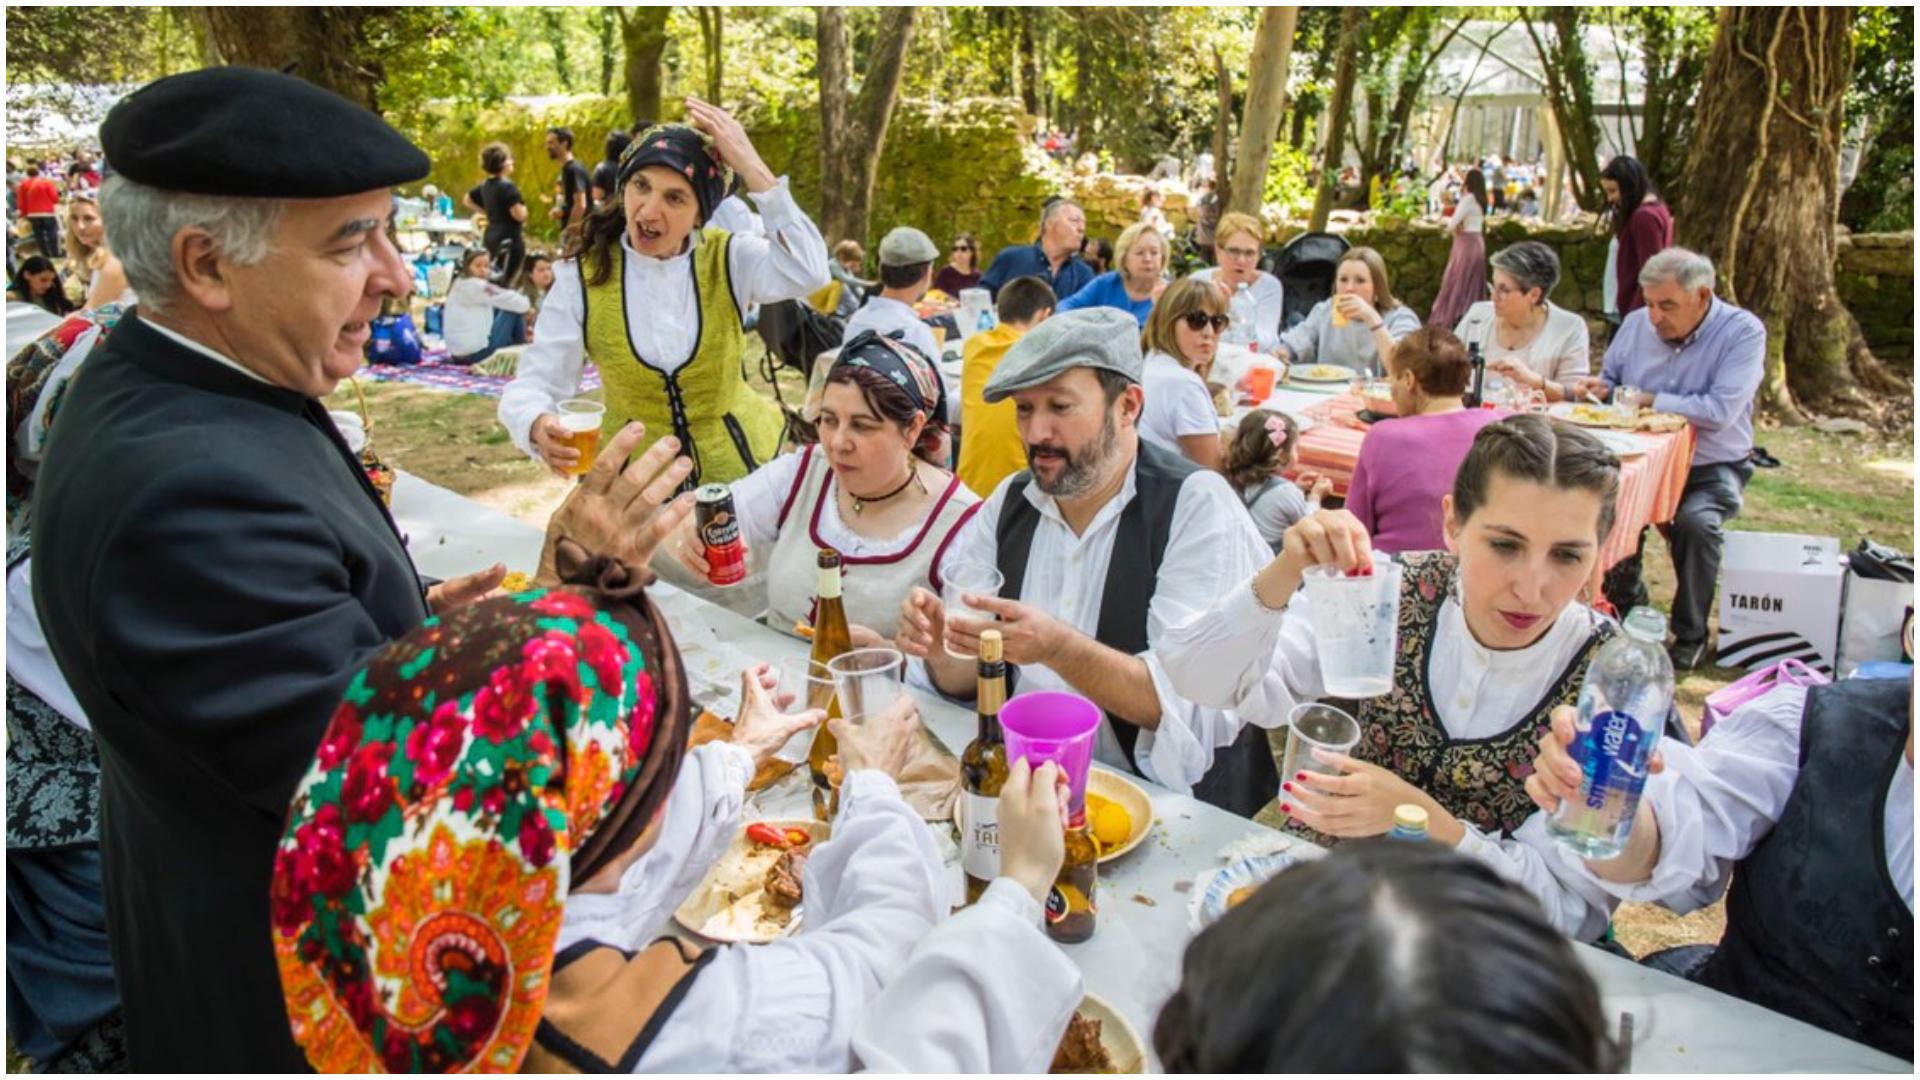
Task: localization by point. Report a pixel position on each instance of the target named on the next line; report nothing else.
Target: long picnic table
(1133, 958)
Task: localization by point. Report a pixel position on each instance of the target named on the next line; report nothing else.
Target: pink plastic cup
(1053, 725)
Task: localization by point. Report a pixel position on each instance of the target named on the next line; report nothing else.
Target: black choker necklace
(860, 503)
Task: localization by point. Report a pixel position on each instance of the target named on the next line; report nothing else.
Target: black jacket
(211, 567)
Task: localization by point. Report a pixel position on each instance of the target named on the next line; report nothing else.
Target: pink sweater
(1405, 466)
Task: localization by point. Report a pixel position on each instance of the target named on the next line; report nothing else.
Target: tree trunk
(553, 24)
(643, 31)
(712, 30)
(319, 44)
(608, 26)
(1761, 198)
(1673, 74)
(1570, 92)
(854, 132)
(1343, 73)
(1222, 131)
(1390, 133)
(1266, 101)
(1029, 65)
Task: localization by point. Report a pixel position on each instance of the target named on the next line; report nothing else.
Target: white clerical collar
(209, 352)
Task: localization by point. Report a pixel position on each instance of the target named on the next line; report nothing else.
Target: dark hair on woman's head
(617, 143)
(1251, 456)
(1385, 956)
(891, 403)
(1102, 252)
(1635, 185)
(493, 158)
(54, 299)
(1437, 359)
(1477, 187)
(594, 244)
(1539, 450)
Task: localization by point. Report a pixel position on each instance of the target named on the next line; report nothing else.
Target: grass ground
(1847, 486)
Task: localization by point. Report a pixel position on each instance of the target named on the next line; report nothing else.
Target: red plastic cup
(1053, 725)
(1260, 379)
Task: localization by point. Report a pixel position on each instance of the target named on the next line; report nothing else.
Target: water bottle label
(1612, 745)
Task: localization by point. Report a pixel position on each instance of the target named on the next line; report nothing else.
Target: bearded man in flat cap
(211, 564)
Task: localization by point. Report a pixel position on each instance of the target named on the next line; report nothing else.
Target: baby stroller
(1305, 267)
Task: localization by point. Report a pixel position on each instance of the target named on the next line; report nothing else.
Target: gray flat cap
(906, 246)
(1095, 337)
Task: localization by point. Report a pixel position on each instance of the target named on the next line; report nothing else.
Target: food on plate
(516, 582)
(1596, 415)
(1323, 372)
(1080, 1050)
(710, 728)
(767, 835)
(783, 880)
(1112, 825)
(1659, 423)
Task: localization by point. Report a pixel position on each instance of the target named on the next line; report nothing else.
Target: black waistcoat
(1815, 927)
(1243, 777)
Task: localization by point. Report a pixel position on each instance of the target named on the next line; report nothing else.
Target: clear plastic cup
(1053, 725)
(867, 682)
(582, 420)
(1623, 404)
(1356, 625)
(961, 579)
(811, 687)
(1312, 727)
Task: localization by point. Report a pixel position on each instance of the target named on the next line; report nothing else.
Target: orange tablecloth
(1650, 483)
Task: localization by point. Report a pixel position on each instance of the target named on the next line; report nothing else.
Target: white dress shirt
(734, 215)
(791, 1005)
(1269, 306)
(1212, 548)
(1177, 403)
(663, 310)
(1242, 656)
(985, 992)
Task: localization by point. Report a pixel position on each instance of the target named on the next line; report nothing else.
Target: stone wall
(1874, 273)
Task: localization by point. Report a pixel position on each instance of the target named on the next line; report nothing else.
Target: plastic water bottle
(1623, 706)
(1409, 823)
(1240, 318)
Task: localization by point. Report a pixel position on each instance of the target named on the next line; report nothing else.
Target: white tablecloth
(1133, 959)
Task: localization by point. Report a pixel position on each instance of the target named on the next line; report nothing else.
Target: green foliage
(1880, 199)
(1289, 179)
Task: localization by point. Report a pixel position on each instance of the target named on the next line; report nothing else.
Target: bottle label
(1058, 908)
(1608, 755)
(980, 836)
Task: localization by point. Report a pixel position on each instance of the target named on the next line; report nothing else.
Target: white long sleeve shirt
(663, 310)
(985, 992)
(1212, 548)
(791, 1005)
(469, 313)
(1242, 656)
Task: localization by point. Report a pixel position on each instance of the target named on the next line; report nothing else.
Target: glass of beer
(582, 419)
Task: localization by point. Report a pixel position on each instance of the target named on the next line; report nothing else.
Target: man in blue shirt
(1691, 353)
(1055, 259)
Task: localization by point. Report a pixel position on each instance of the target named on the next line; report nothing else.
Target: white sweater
(469, 314)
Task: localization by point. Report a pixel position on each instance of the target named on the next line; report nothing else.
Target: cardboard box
(1780, 598)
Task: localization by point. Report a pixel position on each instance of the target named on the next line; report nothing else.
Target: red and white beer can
(719, 529)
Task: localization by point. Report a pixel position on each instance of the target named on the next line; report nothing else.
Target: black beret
(250, 132)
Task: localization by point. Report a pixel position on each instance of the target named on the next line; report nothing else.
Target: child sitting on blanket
(481, 316)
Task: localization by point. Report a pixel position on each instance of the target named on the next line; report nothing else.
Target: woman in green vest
(653, 299)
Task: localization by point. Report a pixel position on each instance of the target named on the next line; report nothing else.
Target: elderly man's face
(1072, 434)
(1675, 310)
(1068, 228)
(300, 317)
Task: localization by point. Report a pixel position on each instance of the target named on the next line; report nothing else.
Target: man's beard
(1080, 471)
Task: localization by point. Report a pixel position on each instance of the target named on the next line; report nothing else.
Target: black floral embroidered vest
(1480, 781)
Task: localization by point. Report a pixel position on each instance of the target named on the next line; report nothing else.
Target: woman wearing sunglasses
(1180, 340)
(963, 267)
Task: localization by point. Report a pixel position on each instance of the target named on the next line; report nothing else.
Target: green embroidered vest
(1480, 781)
(726, 428)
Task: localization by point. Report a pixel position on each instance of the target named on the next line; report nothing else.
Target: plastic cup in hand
(1315, 727)
(867, 681)
(961, 579)
(810, 687)
(582, 419)
(1356, 624)
(1053, 725)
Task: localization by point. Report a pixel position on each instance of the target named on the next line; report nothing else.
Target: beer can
(719, 529)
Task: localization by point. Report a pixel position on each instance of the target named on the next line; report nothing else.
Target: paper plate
(1621, 443)
(1323, 373)
(729, 903)
(1122, 1043)
(1210, 900)
(1130, 797)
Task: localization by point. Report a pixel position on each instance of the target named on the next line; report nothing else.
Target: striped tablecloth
(1650, 483)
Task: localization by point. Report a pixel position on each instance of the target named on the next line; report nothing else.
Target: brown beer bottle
(831, 638)
(983, 769)
(1071, 906)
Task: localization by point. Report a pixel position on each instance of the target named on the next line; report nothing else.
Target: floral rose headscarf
(476, 769)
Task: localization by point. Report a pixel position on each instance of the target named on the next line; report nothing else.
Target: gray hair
(142, 220)
(1055, 209)
(1691, 269)
(1532, 264)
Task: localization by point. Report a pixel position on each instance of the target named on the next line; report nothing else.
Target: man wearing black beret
(210, 562)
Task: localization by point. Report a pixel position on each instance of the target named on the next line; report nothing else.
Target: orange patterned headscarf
(476, 769)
